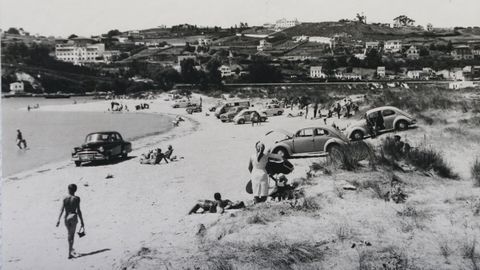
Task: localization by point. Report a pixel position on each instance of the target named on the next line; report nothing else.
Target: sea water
(52, 135)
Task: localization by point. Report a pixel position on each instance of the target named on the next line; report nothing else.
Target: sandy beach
(141, 213)
(140, 201)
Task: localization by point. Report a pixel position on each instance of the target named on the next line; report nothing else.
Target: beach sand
(140, 202)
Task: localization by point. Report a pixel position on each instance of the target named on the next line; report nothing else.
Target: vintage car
(223, 108)
(245, 116)
(231, 113)
(193, 108)
(306, 141)
(272, 110)
(101, 146)
(393, 118)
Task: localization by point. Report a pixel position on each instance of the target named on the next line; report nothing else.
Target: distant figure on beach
(315, 110)
(28, 107)
(258, 173)
(20, 140)
(71, 206)
(216, 206)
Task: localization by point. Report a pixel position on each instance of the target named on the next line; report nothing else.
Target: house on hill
(413, 53)
(372, 45)
(462, 53)
(392, 46)
(264, 45)
(17, 87)
(381, 72)
(316, 72)
(284, 23)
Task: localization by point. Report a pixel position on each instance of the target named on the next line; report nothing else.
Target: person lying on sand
(299, 114)
(216, 206)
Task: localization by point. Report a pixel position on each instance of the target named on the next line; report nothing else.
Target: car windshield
(97, 137)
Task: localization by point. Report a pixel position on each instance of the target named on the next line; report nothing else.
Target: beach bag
(275, 167)
(249, 188)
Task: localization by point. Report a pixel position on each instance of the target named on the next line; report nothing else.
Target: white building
(460, 85)
(381, 72)
(322, 40)
(205, 41)
(264, 45)
(316, 72)
(414, 74)
(79, 54)
(393, 46)
(372, 45)
(284, 23)
(17, 87)
(225, 71)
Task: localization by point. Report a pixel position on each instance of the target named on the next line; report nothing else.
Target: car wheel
(263, 119)
(357, 135)
(78, 163)
(241, 121)
(401, 125)
(281, 151)
(279, 113)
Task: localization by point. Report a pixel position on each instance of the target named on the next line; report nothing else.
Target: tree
(361, 18)
(373, 59)
(329, 66)
(213, 75)
(72, 36)
(261, 72)
(188, 48)
(13, 31)
(114, 32)
(188, 71)
(404, 20)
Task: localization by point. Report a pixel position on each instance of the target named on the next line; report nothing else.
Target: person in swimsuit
(216, 206)
(71, 206)
(258, 172)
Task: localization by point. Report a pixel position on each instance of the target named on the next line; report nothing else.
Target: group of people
(142, 106)
(117, 107)
(255, 118)
(155, 156)
(36, 106)
(177, 121)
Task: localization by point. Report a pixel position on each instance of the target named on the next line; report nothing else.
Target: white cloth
(259, 176)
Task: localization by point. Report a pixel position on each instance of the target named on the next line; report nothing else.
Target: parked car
(232, 112)
(244, 116)
(184, 103)
(310, 140)
(101, 146)
(233, 103)
(394, 119)
(193, 108)
(272, 110)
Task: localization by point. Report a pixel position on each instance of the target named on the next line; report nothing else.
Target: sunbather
(216, 206)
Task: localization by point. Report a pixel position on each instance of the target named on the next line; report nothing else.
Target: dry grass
(390, 258)
(273, 255)
(348, 156)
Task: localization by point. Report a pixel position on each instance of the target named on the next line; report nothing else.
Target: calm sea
(52, 135)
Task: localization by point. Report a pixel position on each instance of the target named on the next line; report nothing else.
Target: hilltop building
(284, 23)
(413, 53)
(264, 45)
(462, 53)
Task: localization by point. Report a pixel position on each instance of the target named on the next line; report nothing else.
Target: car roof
(383, 108)
(103, 132)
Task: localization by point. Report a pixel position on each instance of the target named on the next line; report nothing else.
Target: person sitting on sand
(160, 156)
(216, 206)
(168, 154)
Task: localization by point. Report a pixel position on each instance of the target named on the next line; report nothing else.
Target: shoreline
(138, 142)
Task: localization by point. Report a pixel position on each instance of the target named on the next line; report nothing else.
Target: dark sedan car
(101, 146)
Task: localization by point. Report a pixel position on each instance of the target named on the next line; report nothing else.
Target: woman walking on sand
(258, 173)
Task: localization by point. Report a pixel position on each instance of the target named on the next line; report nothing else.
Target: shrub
(475, 172)
(348, 156)
(428, 159)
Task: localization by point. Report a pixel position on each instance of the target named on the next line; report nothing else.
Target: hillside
(359, 31)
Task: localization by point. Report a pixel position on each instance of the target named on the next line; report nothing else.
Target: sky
(93, 17)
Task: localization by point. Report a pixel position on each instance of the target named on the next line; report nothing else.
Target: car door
(304, 141)
(321, 138)
(246, 115)
(388, 118)
(116, 145)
